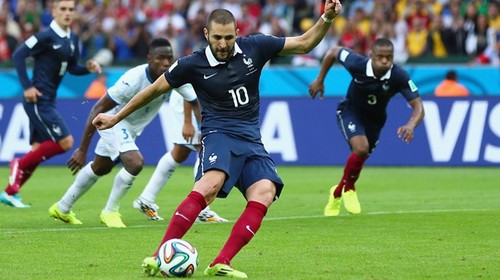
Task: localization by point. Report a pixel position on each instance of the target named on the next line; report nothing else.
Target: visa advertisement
(301, 131)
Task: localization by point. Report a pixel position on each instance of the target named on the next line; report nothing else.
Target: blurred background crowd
(118, 31)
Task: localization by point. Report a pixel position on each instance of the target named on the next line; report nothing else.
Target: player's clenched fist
(103, 121)
(332, 8)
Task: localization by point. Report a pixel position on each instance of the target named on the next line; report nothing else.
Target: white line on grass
(75, 228)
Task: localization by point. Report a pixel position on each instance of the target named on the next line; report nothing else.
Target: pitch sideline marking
(12, 230)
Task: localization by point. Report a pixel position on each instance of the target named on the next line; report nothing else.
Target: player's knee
(101, 169)
(263, 191)
(362, 153)
(67, 143)
(134, 167)
(361, 150)
(180, 153)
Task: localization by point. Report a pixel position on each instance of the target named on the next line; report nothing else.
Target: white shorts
(175, 122)
(114, 141)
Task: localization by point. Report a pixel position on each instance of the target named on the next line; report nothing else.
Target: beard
(223, 55)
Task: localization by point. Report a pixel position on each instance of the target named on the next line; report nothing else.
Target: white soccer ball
(177, 258)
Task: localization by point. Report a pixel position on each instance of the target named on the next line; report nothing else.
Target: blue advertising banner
(294, 81)
(301, 131)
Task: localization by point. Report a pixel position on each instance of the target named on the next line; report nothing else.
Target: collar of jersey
(213, 61)
(369, 71)
(58, 30)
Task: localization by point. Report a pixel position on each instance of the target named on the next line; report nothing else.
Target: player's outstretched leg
(351, 202)
(332, 208)
(69, 218)
(221, 269)
(208, 216)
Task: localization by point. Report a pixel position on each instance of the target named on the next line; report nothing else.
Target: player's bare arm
(188, 128)
(406, 132)
(79, 156)
(318, 85)
(159, 87)
(311, 38)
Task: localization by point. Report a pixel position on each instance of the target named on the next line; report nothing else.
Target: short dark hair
(159, 42)
(382, 42)
(451, 75)
(221, 16)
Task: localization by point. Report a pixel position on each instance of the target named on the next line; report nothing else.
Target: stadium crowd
(469, 29)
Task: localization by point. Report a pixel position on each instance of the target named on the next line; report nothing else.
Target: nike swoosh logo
(358, 81)
(182, 216)
(249, 229)
(55, 47)
(209, 76)
(12, 176)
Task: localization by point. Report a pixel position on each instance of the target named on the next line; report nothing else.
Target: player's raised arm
(311, 38)
(159, 87)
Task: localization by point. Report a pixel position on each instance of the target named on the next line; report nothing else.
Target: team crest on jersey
(57, 130)
(385, 86)
(249, 63)
(212, 159)
(72, 48)
(351, 127)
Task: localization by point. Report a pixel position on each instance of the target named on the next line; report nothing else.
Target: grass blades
(416, 223)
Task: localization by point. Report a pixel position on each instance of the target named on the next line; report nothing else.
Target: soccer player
(55, 52)
(118, 144)
(362, 114)
(225, 76)
(186, 139)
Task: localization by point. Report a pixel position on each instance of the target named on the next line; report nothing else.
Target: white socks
(123, 182)
(84, 180)
(164, 170)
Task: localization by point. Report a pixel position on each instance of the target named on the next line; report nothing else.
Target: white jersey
(131, 83)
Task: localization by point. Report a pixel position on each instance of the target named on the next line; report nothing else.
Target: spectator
(353, 38)
(478, 38)
(494, 15)
(97, 88)
(435, 44)
(7, 43)
(491, 55)
(450, 86)
(417, 39)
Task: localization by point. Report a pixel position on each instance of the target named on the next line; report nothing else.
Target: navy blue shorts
(351, 124)
(45, 123)
(243, 162)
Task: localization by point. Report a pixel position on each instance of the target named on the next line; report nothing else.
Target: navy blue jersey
(228, 92)
(368, 95)
(55, 51)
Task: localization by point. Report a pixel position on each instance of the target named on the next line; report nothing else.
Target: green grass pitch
(416, 223)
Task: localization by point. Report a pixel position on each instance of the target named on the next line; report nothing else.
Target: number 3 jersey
(228, 91)
(128, 85)
(368, 95)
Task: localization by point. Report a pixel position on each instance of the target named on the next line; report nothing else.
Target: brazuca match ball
(177, 258)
